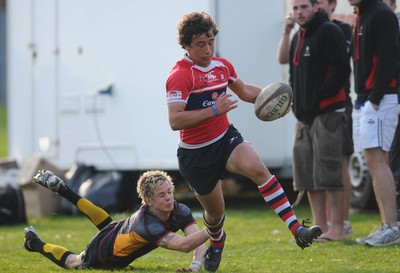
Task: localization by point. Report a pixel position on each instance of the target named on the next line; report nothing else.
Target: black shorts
(203, 167)
(98, 253)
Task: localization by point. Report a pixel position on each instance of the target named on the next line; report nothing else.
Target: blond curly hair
(149, 181)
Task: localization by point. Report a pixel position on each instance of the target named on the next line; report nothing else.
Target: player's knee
(73, 261)
(214, 217)
(258, 173)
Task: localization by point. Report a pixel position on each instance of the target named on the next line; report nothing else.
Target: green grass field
(257, 241)
(3, 132)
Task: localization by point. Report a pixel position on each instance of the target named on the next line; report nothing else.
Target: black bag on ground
(114, 191)
(12, 205)
(78, 174)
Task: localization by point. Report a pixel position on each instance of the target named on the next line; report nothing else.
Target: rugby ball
(273, 101)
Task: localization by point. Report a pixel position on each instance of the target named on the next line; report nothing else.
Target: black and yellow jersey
(123, 241)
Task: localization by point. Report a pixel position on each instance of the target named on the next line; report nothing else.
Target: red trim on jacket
(339, 97)
(299, 46)
(369, 84)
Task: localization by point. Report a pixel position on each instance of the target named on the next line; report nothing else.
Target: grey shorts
(317, 153)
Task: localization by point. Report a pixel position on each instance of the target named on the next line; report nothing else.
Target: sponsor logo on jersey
(211, 76)
(174, 95)
(207, 103)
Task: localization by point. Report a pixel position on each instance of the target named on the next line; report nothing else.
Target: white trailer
(86, 79)
(63, 53)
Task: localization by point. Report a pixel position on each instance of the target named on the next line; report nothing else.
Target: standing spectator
(209, 144)
(348, 146)
(375, 51)
(283, 57)
(319, 69)
(394, 154)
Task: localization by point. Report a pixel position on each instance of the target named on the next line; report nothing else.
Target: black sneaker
(48, 180)
(213, 257)
(30, 234)
(306, 235)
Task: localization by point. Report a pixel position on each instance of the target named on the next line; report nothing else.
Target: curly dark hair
(193, 25)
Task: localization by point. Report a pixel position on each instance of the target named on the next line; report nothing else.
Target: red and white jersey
(199, 87)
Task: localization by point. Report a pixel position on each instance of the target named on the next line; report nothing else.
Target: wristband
(215, 110)
(195, 265)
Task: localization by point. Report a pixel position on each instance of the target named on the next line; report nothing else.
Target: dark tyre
(361, 182)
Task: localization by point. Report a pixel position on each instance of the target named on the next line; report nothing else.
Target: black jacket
(348, 33)
(319, 68)
(375, 51)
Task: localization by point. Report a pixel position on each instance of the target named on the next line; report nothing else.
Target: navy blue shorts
(203, 167)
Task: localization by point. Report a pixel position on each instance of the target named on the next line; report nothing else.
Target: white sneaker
(48, 180)
(361, 240)
(388, 236)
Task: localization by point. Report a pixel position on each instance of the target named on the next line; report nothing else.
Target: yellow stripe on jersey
(126, 244)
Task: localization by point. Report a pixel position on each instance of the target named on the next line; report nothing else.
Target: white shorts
(372, 129)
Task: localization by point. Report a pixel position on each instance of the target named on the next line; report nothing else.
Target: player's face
(303, 11)
(201, 50)
(163, 199)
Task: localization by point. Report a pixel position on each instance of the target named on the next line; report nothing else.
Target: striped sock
(216, 233)
(275, 197)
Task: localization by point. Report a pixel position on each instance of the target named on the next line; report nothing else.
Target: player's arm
(181, 119)
(199, 252)
(194, 240)
(175, 241)
(198, 255)
(246, 92)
